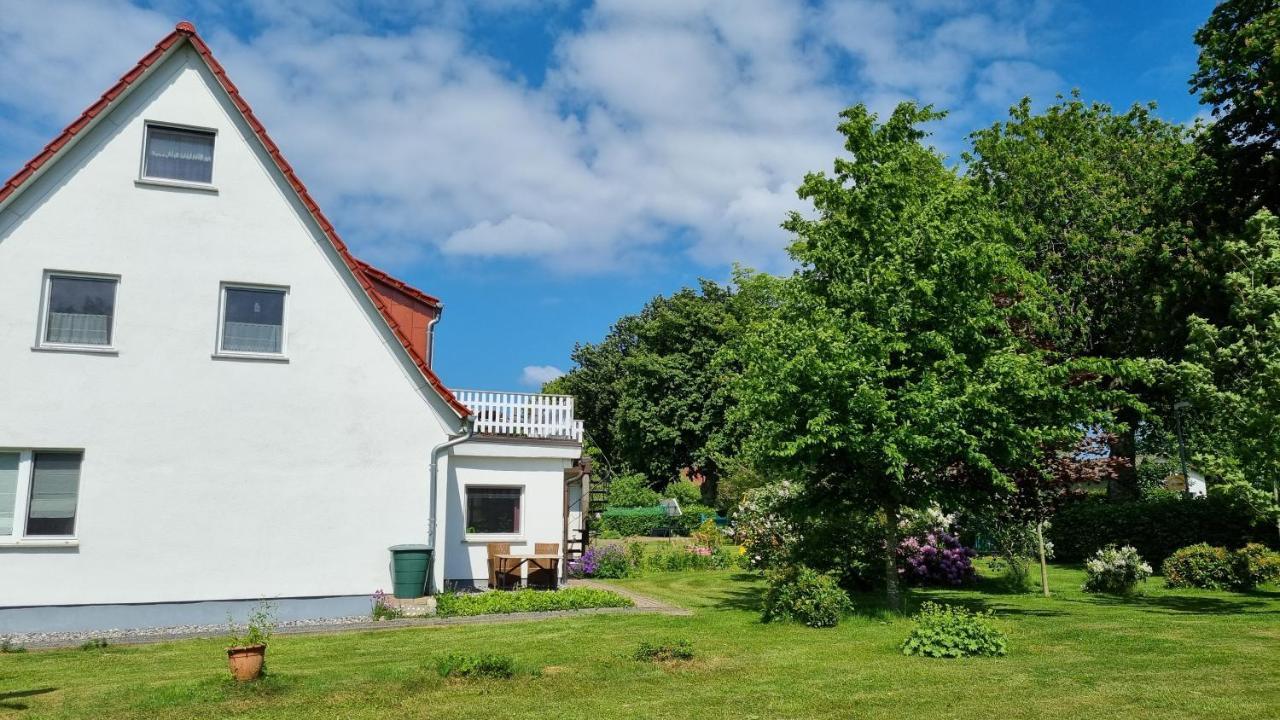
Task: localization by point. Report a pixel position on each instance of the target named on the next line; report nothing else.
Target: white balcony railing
(531, 415)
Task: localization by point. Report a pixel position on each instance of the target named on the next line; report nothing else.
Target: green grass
(1168, 654)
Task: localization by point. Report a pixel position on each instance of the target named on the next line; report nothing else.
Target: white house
(208, 400)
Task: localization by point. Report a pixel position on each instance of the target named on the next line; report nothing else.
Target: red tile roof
(361, 270)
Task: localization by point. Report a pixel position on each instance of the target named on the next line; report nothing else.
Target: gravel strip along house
(210, 401)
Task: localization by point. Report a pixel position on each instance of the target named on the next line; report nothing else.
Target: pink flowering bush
(935, 558)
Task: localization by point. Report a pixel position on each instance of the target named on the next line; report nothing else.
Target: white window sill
(91, 349)
(180, 184)
(491, 537)
(260, 357)
(39, 542)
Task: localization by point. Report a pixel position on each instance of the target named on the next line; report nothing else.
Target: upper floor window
(252, 320)
(178, 154)
(79, 309)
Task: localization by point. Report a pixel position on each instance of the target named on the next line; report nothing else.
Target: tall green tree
(1238, 75)
(905, 362)
(652, 395)
(1104, 206)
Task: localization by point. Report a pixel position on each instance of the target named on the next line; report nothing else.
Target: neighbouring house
(208, 400)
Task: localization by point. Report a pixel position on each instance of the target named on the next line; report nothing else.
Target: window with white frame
(252, 320)
(79, 309)
(39, 492)
(178, 154)
(493, 510)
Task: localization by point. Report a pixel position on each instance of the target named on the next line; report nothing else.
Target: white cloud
(536, 376)
(665, 127)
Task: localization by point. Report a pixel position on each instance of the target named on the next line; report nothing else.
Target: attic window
(179, 154)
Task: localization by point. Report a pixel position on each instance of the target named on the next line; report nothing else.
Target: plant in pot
(247, 650)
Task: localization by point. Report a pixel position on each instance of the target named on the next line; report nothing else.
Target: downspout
(436, 525)
(431, 336)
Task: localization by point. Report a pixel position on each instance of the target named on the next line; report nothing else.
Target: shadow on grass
(746, 594)
(7, 697)
(1185, 604)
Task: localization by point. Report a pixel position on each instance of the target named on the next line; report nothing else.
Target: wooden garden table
(520, 560)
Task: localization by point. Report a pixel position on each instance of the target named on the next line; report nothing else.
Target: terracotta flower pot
(246, 662)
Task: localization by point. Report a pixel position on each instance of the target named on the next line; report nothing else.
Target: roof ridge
(359, 269)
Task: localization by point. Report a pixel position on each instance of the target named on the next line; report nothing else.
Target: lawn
(1182, 654)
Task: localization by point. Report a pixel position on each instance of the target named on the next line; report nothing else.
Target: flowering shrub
(384, 609)
(1115, 570)
(769, 536)
(936, 558)
(946, 631)
(605, 561)
(804, 595)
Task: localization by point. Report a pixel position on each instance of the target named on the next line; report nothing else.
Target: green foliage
(1115, 570)
(684, 491)
(527, 600)
(632, 491)
(258, 628)
(947, 631)
(664, 651)
(677, 558)
(1155, 526)
(691, 517)
(804, 595)
(637, 521)
(907, 349)
(708, 534)
(1216, 568)
(94, 644)
(1239, 76)
(476, 666)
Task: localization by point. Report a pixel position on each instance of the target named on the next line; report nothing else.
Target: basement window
(178, 154)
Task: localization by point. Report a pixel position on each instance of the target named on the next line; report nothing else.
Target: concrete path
(643, 604)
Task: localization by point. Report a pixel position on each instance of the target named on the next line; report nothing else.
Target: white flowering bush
(1115, 570)
(768, 534)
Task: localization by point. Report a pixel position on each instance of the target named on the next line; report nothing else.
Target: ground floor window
(493, 510)
(39, 492)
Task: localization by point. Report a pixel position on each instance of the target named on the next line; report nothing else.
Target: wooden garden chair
(543, 573)
(499, 576)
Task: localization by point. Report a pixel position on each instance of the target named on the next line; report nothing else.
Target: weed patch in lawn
(474, 667)
(664, 651)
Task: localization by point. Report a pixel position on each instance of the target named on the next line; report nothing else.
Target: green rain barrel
(410, 570)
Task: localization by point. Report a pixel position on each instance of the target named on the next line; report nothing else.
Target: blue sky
(544, 167)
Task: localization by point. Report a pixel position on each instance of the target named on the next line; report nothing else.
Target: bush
(1216, 568)
(804, 595)
(631, 491)
(494, 603)
(1198, 566)
(1155, 526)
(672, 558)
(94, 644)
(601, 561)
(7, 646)
(946, 631)
(684, 492)
(1115, 570)
(936, 558)
(691, 517)
(633, 521)
(664, 652)
(486, 665)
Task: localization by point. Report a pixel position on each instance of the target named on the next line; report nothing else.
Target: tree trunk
(893, 593)
(1044, 567)
(1124, 484)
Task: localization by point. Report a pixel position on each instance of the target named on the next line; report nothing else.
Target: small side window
(79, 310)
(178, 154)
(252, 321)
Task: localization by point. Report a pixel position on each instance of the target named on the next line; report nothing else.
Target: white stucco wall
(205, 478)
(542, 520)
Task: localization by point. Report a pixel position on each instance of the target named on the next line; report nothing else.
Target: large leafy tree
(651, 395)
(905, 362)
(1103, 203)
(1238, 75)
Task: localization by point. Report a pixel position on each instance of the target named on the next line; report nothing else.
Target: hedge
(628, 521)
(1156, 526)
